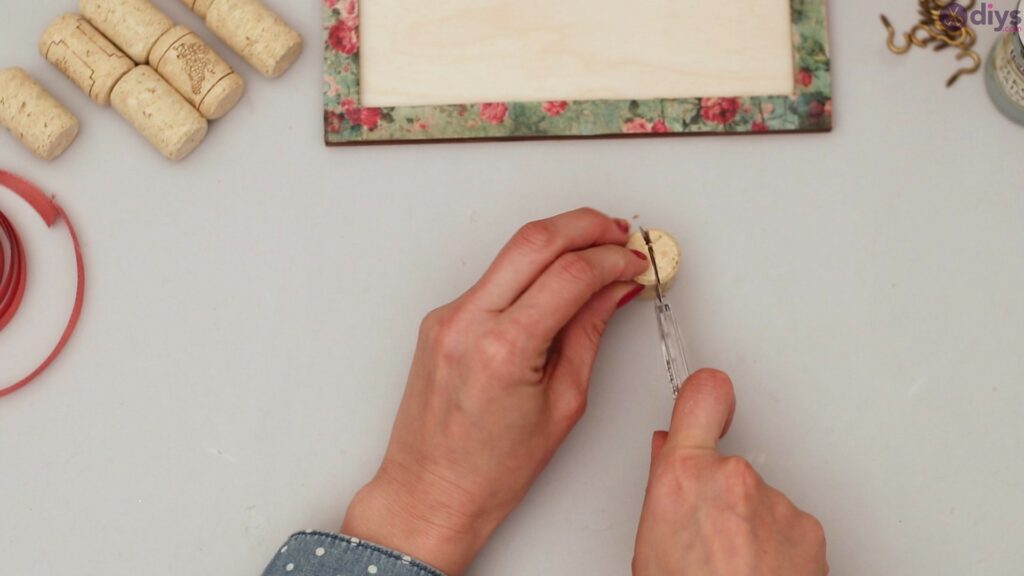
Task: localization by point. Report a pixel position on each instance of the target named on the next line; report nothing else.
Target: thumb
(703, 411)
(657, 443)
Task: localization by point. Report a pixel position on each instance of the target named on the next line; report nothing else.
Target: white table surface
(251, 314)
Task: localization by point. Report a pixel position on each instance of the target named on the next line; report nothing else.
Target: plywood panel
(415, 52)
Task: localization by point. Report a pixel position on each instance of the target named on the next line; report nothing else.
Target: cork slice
(666, 254)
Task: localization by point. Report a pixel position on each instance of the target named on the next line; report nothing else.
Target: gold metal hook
(916, 40)
(966, 42)
(891, 39)
(974, 67)
(932, 30)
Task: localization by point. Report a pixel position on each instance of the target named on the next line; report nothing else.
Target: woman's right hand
(713, 515)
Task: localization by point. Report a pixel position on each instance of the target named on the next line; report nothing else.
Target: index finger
(569, 284)
(536, 246)
(703, 411)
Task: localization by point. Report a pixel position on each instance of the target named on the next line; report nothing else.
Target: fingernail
(630, 296)
(623, 225)
(640, 255)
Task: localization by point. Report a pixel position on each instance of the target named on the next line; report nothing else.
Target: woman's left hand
(499, 379)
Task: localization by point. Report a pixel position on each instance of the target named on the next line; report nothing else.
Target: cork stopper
(133, 25)
(200, 7)
(157, 111)
(33, 116)
(197, 72)
(85, 56)
(666, 254)
(253, 31)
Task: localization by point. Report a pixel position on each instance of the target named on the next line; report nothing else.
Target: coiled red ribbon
(13, 267)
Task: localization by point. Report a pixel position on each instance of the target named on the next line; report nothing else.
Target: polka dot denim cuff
(321, 554)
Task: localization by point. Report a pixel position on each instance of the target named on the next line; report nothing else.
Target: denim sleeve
(322, 554)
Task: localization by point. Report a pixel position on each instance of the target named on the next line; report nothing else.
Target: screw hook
(891, 39)
(974, 67)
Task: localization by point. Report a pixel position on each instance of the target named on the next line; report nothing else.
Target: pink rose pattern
(343, 36)
(493, 113)
(804, 78)
(554, 109)
(368, 118)
(642, 126)
(719, 110)
(333, 121)
(636, 126)
(808, 109)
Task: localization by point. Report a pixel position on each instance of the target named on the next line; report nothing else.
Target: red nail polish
(623, 225)
(630, 296)
(640, 255)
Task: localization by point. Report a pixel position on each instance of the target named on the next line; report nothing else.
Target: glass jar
(1004, 73)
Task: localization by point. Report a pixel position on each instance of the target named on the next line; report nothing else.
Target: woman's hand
(708, 514)
(499, 379)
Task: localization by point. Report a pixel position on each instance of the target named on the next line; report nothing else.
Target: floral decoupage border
(808, 108)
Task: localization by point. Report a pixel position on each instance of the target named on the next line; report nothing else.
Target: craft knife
(671, 338)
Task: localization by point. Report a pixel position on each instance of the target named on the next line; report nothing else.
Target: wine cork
(157, 111)
(666, 255)
(253, 31)
(133, 25)
(33, 116)
(197, 72)
(85, 56)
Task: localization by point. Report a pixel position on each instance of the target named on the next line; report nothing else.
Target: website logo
(955, 17)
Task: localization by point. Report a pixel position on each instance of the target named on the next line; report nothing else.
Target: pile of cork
(159, 76)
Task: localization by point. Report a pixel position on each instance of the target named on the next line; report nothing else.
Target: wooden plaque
(409, 70)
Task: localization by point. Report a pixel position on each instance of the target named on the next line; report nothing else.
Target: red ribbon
(13, 267)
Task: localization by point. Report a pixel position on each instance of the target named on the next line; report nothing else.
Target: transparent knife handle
(672, 346)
